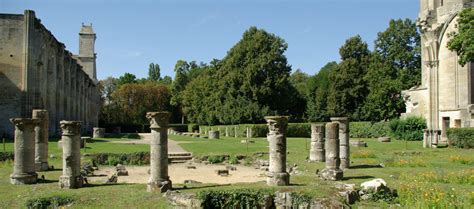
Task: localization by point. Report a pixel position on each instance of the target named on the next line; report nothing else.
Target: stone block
(222, 172)
(358, 143)
(384, 139)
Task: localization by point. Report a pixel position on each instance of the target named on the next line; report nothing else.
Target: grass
(441, 178)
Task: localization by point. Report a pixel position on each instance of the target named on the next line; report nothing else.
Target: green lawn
(424, 177)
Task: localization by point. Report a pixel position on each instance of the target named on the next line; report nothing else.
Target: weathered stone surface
(120, 170)
(57, 80)
(24, 171)
(84, 141)
(71, 140)
(332, 171)
(344, 148)
(358, 143)
(384, 139)
(375, 184)
(112, 179)
(214, 135)
(277, 175)
(159, 179)
(317, 152)
(41, 140)
(98, 132)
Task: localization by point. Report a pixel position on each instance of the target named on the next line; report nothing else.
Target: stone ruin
(159, 179)
(24, 171)
(71, 142)
(317, 152)
(277, 174)
(344, 148)
(98, 132)
(41, 140)
(332, 171)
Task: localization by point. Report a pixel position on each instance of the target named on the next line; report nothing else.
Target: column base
(70, 182)
(345, 164)
(317, 156)
(25, 178)
(42, 166)
(161, 186)
(331, 174)
(278, 179)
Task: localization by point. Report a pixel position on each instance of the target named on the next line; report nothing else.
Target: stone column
(277, 175)
(24, 171)
(344, 146)
(98, 132)
(332, 171)
(214, 135)
(236, 130)
(159, 179)
(227, 131)
(317, 152)
(426, 138)
(71, 141)
(41, 140)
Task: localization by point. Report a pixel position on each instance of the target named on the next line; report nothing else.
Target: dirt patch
(179, 173)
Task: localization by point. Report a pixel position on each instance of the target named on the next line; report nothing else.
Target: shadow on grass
(47, 181)
(365, 166)
(104, 184)
(99, 140)
(357, 177)
(194, 186)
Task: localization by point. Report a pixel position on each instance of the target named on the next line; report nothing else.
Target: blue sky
(132, 34)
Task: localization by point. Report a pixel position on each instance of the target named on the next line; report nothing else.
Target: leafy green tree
(462, 42)
(348, 89)
(167, 80)
(395, 66)
(252, 81)
(154, 72)
(318, 87)
(179, 83)
(125, 79)
(299, 80)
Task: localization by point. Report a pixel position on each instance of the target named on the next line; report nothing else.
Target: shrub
(49, 202)
(193, 127)
(214, 159)
(5, 156)
(233, 160)
(299, 130)
(369, 129)
(461, 137)
(409, 129)
(179, 127)
(136, 158)
(242, 198)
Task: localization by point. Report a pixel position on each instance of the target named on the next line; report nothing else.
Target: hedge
(461, 137)
(408, 129)
(112, 159)
(357, 129)
(369, 129)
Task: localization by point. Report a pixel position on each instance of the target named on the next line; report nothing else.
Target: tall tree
(154, 73)
(179, 83)
(395, 66)
(318, 87)
(348, 89)
(463, 41)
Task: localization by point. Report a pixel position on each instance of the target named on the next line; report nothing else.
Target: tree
(463, 41)
(154, 72)
(134, 100)
(167, 80)
(252, 81)
(395, 66)
(318, 87)
(125, 79)
(179, 83)
(348, 89)
(299, 80)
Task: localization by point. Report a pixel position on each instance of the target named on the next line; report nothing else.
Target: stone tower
(87, 54)
(446, 94)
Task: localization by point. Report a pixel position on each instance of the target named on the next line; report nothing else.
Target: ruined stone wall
(11, 65)
(51, 78)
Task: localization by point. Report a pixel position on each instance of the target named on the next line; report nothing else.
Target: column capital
(277, 124)
(70, 127)
(158, 119)
(20, 123)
